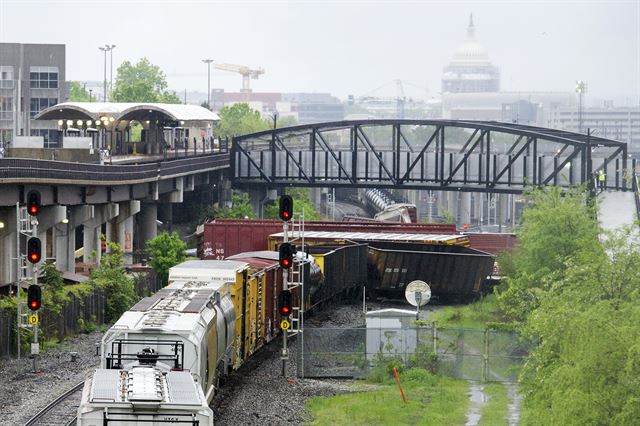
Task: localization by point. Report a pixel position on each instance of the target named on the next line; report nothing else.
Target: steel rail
(35, 420)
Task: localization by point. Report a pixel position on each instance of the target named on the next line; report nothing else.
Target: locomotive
(162, 361)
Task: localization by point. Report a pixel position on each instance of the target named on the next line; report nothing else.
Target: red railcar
(222, 238)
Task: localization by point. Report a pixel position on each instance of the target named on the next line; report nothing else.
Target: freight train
(162, 361)
(385, 208)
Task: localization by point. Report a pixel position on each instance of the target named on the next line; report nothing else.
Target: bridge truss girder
(425, 154)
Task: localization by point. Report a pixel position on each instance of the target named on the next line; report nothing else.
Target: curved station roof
(126, 111)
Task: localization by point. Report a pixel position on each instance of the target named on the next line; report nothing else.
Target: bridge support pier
(124, 221)
(147, 225)
(8, 249)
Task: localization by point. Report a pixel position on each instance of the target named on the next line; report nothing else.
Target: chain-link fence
(470, 354)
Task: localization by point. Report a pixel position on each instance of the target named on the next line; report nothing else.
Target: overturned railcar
(455, 273)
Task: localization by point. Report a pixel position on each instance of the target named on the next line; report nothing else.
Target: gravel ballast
(256, 394)
(23, 393)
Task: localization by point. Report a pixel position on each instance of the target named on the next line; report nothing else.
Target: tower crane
(244, 71)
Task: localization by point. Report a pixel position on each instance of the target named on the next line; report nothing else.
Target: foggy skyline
(344, 47)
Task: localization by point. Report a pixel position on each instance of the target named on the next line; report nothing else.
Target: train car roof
(379, 236)
(206, 270)
(258, 259)
(145, 384)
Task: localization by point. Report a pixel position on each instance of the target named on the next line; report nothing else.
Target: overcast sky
(344, 47)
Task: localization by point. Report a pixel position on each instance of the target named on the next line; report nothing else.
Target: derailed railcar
(344, 270)
(454, 273)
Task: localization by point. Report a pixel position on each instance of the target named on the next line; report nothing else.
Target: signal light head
(286, 255)
(286, 207)
(34, 250)
(33, 203)
(34, 297)
(284, 303)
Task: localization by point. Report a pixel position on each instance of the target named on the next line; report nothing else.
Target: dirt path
(477, 398)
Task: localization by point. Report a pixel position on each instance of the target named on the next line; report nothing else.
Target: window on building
(6, 136)
(6, 77)
(38, 104)
(43, 77)
(6, 107)
(51, 137)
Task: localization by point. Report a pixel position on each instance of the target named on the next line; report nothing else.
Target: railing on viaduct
(427, 154)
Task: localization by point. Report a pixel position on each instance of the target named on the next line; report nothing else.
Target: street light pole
(208, 62)
(104, 95)
(581, 88)
(111, 47)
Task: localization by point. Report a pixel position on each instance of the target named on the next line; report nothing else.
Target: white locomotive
(160, 361)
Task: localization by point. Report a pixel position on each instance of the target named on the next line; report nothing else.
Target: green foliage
(579, 297)
(558, 226)
(78, 93)
(111, 277)
(54, 295)
(166, 250)
(240, 208)
(431, 400)
(474, 315)
(142, 82)
(495, 410)
(239, 119)
(301, 201)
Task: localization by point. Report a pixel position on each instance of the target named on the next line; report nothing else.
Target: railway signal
(33, 203)
(284, 303)
(34, 250)
(286, 255)
(34, 297)
(286, 208)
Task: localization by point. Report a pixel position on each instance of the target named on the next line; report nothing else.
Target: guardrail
(636, 192)
(12, 169)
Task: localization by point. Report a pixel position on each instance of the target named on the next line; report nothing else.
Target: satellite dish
(417, 293)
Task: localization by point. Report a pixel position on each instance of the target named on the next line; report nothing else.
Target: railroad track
(61, 411)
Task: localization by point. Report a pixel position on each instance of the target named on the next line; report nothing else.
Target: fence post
(485, 356)
(434, 332)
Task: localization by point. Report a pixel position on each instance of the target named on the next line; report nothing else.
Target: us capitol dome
(470, 70)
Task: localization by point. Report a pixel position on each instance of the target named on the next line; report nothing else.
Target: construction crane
(244, 71)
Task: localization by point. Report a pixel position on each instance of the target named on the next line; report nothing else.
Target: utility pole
(111, 47)
(208, 62)
(581, 88)
(106, 49)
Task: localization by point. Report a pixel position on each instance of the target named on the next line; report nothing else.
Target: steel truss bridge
(480, 156)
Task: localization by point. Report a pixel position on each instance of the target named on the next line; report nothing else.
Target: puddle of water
(478, 399)
(513, 409)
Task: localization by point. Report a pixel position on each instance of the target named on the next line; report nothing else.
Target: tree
(557, 226)
(166, 250)
(142, 82)
(111, 277)
(239, 119)
(586, 370)
(240, 208)
(78, 93)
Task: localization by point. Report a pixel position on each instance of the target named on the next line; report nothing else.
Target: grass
(431, 400)
(473, 315)
(494, 412)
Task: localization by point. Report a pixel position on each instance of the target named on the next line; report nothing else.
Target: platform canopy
(127, 111)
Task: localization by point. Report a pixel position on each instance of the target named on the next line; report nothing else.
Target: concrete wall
(71, 154)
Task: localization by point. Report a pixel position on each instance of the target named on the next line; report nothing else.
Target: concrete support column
(465, 207)
(8, 249)
(147, 225)
(91, 243)
(125, 228)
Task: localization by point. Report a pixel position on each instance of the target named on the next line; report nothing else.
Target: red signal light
(284, 303)
(286, 207)
(34, 297)
(34, 250)
(286, 255)
(33, 203)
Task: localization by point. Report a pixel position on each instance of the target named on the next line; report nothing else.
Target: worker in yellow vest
(602, 178)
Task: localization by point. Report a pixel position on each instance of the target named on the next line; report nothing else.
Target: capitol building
(470, 70)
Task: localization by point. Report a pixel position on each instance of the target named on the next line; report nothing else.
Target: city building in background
(305, 108)
(618, 123)
(470, 70)
(32, 78)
